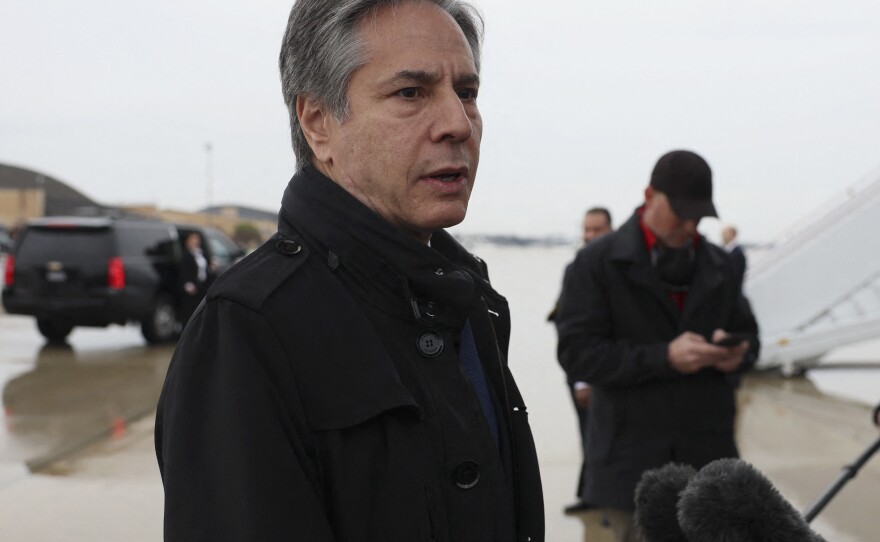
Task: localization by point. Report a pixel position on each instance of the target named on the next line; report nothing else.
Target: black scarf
(378, 257)
(676, 266)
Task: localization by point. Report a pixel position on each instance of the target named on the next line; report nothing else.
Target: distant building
(27, 194)
(226, 218)
(243, 213)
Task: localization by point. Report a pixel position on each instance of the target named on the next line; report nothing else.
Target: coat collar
(378, 258)
(628, 249)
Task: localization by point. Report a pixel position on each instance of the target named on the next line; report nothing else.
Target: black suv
(99, 271)
(5, 241)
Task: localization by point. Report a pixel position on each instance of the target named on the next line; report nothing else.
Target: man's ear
(314, 118)
(649, 194)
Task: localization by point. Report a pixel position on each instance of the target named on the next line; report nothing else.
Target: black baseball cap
(686, 179)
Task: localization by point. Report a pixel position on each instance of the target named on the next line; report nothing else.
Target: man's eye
(467, 93)
(408, 92)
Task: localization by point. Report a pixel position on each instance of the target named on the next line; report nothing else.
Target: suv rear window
(65, 244)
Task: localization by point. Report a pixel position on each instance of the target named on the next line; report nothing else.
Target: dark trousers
(583, 415)
(188, 305)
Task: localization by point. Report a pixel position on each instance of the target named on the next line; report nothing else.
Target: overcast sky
(579, 99)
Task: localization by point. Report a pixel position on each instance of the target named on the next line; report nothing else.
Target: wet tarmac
(58, 399)
(801, 439)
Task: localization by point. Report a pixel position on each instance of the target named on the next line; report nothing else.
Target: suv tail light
(9, 271)
(115, 273)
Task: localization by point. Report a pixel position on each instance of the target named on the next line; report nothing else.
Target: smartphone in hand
(734, 339)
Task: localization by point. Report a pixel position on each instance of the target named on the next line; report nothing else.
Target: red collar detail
(647, 234)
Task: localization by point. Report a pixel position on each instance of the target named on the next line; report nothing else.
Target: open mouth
(448, 175)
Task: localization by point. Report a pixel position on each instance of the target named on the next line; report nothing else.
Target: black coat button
(288, 247)
(467, 474)
(430, 344)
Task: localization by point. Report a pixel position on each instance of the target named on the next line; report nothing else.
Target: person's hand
(190, 288)
(582, 397)
(735, 354)
(690, 352)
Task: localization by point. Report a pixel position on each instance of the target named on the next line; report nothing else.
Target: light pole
(209, 178)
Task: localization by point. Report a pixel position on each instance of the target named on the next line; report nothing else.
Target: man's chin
(677, 244)
(441, 221)
(450, 219)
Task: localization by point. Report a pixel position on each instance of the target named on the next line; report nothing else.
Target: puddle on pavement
(71, 396)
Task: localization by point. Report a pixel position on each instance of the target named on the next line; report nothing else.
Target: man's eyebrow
(418, 77)
(423, 77)
(470, 79)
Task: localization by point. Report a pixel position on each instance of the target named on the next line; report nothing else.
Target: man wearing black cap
(652, 317)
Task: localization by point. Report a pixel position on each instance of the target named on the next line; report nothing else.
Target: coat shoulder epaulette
(252, 280)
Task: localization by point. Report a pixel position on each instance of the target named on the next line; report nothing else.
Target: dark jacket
(738, 264)
(307, 399)
(615, 323)
(189, 273)
(189, 270)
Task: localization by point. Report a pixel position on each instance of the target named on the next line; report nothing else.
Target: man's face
(193, 241)
(728, 235)
(671, 230)
(595, 225)
(409, 149)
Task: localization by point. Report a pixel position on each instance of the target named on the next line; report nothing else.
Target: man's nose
(451, 118)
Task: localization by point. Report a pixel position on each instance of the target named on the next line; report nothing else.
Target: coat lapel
(707, 278)
(628, 250)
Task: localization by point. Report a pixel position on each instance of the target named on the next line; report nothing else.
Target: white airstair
(818, 287)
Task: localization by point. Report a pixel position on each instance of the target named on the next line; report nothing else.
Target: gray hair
(322, 48)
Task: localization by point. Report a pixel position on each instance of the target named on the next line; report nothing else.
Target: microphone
(656, 502)
(729, 500)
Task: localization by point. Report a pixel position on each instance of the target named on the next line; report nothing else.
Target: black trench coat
(307, 399)
(615, 321)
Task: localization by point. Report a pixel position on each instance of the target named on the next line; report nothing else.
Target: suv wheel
(55, 331)
(161, 325)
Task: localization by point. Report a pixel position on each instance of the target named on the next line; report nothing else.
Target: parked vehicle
(76, 271)
(5, 241)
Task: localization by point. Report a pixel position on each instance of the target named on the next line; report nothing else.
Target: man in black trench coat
(348, 381)
(640, 311)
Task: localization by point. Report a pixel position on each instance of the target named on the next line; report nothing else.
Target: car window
(219, 250)
(145, 241)
(64, 244)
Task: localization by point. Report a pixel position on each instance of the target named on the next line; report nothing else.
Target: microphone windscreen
(731, 501)
(656, 500)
